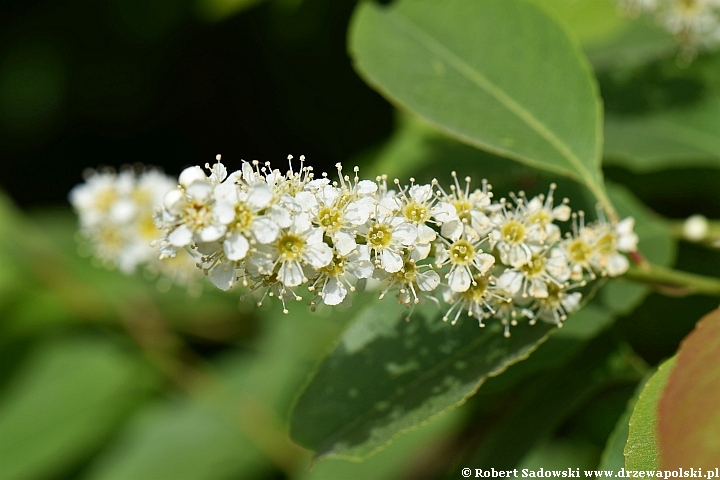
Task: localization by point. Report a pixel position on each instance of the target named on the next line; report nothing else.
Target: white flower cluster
(277, 232)
(693, 22)
(116, 216)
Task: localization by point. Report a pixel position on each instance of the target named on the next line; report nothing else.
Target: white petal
(265, 230)
(357, 213)
(459, 279)
(538, 289)
(219, 172)
(181, 236)
(444, 212)
(344, 243)
(290, 274)
(281, 216)
(441, 254)
(617, 265)
(421, 193)
(571, 302)
(425, 234)
(199, 190)
(334, 292)
(452, 229)
(224, 212)
(173, 200)
(247, 172)
(562, 212)
(420, 252)
(212, 233)
(428, 281)
(318, 255)
(627, 242)
(405, 234)
(236, 246)
(625, 226)
(301, 223)
(391, 261)
(511, 282)
(366, 187)
(306, 200)
(223, 275)
(484, 262)
(190, 175)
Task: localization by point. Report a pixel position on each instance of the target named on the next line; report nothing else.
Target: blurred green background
(102, 376)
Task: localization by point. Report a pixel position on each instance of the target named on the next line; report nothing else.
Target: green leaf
(613, 457)
(228, 425)
(399, 460)
(387, 376)
(519, 87)
(683, 137)
(542, 404)
(641, 450)
(179, 440)
(65, 399)
(689, 411)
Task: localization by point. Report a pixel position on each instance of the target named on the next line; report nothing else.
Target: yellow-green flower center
(335, 268)
(290, 246)
(477, 290)
(579, 251)
(463, 207)
(379, 236)
(197, 214)
(243, 217)
(330, 219)
(541, 216)
(462, 252)
(513, 232)
(607, 244)
(407, 274)
(535, 267)
(417, 212)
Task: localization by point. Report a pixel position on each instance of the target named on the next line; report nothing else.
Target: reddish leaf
(689, 410)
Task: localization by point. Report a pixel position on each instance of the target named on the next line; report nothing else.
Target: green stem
(674, 282)
(711, 237)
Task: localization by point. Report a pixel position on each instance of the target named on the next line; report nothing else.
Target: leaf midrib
(493, 90)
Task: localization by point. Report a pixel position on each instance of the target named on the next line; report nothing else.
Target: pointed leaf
(388, 375)
(689, 413)
(519, 87)
(641, 450)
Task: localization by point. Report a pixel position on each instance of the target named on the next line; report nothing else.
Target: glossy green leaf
(555, 395)
(67, 397)
(519, 87)
(613, 457)
(689, 410)
(387, 376)
(641, 449)
(684, 137)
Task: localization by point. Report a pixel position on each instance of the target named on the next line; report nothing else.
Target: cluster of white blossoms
(694, 23)
(278, 233)
(116, 216)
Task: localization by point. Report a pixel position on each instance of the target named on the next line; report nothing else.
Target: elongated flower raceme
(116, 215)
(290, 234)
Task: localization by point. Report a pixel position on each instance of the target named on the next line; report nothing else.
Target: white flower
(515, 233)
(470, 210)
(466, 259)
(387, 242)
(532, 278)
(336, 278)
